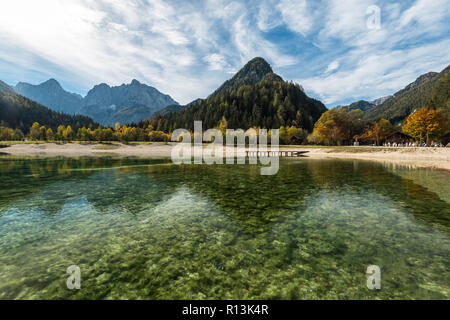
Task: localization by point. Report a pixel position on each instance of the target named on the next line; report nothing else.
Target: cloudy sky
(334, 48)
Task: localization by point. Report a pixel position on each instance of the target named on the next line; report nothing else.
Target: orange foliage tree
(377, 131)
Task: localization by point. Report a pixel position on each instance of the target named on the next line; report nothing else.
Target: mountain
(431, 90)
(380, 100)
(52, 95)
(254, 97)
(172, 108)
(5, 87)
(17, 111)
(107, 105)
(253, 72)
(128, 103)
(440, 94)
(364, 105)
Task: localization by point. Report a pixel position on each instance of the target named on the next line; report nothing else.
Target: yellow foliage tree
(425, 124)
(60, 132)
(35, 131)
(43, 133)
(158, 136)
(336, 127)
(223, 124)
(49, 134)
(68, 133)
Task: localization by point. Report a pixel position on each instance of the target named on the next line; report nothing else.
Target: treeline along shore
(425, 127)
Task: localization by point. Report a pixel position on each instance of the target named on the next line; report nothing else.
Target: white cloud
(373, 75)
(186, 49)
(106, 41)
(346, 19)
(216, 61)
(374, 63)
(251, 44)
(266, 18)
(332, 66)
(298, 15)
(177, 47)
(427, 13)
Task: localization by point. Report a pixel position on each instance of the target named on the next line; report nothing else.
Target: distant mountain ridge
(431, 90)
(107, 105)
(128, 103)
(172, 108)
(364, 105)
(19, 112)
(52, 95)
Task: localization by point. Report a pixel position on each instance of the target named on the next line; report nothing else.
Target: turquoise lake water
(148, 229)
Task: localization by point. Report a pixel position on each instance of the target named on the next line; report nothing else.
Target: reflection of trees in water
(129, 190)
(367, 177)
(22, 178)
(54, 180)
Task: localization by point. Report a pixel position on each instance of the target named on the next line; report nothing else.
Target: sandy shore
(419, 157)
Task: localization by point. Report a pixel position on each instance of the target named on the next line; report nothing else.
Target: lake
(148, 229)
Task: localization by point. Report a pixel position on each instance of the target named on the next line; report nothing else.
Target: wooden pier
(274, 153)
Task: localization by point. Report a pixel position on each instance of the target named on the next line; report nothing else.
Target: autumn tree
(35, 131)
(83, 134)
(298, 133)
(159, 136)
(98, 134)
(331, 128)
(223, 124)
(49, 134)
(425, 124)
(60, 132)
(68, 133)
(377, 131)
(18, 135)
(6, 134)
(43, 133)
(108, 134)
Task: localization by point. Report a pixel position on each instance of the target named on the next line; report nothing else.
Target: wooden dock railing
(274, 153)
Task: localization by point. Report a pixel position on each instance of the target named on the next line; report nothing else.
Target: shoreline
(437, 158)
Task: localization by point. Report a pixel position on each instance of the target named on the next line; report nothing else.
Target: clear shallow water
(146, 229)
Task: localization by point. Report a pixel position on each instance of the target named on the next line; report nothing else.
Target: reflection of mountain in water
(254, 202)
(52, 182)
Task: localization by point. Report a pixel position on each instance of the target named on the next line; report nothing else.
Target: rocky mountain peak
(252, 72)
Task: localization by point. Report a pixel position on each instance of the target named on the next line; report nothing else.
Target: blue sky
(188, 48)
